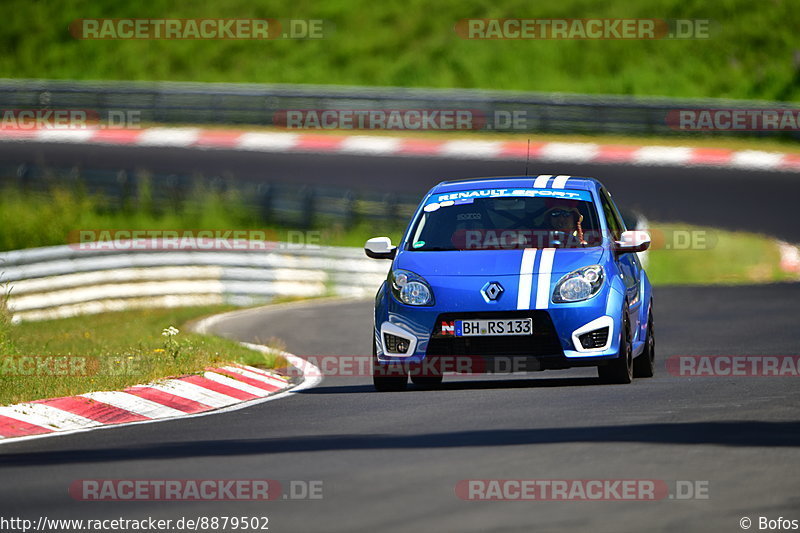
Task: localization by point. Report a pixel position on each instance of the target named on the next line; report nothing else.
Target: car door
(628, 264)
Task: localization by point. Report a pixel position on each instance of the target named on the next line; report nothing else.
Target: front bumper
(554, 344)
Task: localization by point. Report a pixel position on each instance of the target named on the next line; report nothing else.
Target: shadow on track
(465, 385)
(741, 433)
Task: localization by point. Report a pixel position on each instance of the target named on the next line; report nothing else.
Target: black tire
(620, 370)
(387, 378)
(426, 375)
(426, 382)
(644, 366)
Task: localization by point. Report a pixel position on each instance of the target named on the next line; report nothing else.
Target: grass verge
(704, 256)
(30, 219)
(111, 351)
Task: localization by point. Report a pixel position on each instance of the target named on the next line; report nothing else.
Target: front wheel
(620, 370)
(387, 378)
(426, 375)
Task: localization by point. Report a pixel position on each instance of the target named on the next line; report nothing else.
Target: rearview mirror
(632, 241)
(380, 248)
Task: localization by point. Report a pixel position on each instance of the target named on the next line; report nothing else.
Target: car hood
(491, 262)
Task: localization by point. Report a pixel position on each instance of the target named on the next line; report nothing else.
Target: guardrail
(64, 281)
(256, 104)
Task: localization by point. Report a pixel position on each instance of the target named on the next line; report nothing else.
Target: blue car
(513, 274)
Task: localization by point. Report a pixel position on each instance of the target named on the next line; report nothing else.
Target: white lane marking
(662, 155)
(756, 159)
(168, 137)
(133, 404)
(569, 151)
(365, 144)
(559, 182)
(235, 383)
(193, 392)
(268, 142)
(545, 274)
(47, 416)
(68, 136)
(541, 181)
(472, 149)
(255, 375)
(526, 278)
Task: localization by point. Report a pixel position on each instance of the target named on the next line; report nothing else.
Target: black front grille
(594, 339)
(543, 342)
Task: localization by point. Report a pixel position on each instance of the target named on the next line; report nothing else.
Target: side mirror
(632, 241)
(380, 248)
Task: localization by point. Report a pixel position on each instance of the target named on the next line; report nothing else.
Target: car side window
(615, 225)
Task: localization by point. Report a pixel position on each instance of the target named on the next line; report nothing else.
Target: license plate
(493, 327)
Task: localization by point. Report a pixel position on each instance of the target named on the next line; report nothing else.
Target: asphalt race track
(391, 461)
(721, 198)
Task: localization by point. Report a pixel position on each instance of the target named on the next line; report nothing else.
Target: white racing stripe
(133, 404)
(256, 375)
(190, 391)
(545, 273)
(541, 181)
(526, 278)
(47, 416)
(559, 182)
(235, 384)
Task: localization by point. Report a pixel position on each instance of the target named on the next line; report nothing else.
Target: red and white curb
(214, 389)
(414, 147)
(217, 390)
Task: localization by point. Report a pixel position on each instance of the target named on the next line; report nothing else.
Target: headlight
(579, 285)
(410, 288)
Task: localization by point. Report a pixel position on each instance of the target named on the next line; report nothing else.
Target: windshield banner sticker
(436, 201)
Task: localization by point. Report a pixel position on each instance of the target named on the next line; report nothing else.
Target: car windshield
(506, 219)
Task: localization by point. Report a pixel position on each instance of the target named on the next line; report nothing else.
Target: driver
(564, 216)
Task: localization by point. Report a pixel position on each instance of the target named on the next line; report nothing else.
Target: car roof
(545, 181)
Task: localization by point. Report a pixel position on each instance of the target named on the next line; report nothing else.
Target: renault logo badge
(492, 291)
